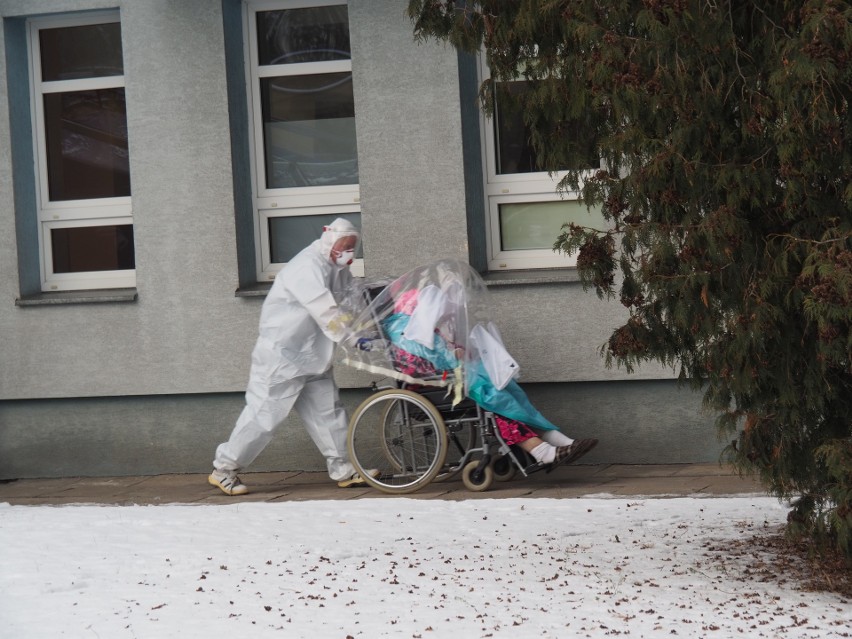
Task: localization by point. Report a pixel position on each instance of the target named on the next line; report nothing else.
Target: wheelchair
(407, 435)
(413, 436)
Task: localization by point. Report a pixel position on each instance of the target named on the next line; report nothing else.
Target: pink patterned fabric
(410, 364)
(511, 430)
(406, 302)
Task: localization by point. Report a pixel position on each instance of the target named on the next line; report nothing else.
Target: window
(81, 152)
(305, 160)
(525, 214)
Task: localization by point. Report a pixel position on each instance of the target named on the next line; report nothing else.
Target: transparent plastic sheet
(431, 327)
(415, 328)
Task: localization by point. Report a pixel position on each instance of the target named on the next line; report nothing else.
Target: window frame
(286, 201)
(70, 213)
(516, 188)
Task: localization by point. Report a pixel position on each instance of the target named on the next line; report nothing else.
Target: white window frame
(293, 201)
(516, 188)
(70, 213)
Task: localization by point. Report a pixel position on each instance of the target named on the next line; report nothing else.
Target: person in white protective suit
(300, 322)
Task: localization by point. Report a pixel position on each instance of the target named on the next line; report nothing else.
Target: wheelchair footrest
(535, 467)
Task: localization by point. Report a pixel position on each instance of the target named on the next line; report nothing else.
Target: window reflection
(93, 248)
(88, 51)
(87, 154)
(536, 225)
(309, 130)
(314, 34)
(289, 235)
(515, 153)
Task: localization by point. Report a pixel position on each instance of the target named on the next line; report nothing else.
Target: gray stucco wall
(409, 141)
(165, 373)
(637, 422)
(187, 332)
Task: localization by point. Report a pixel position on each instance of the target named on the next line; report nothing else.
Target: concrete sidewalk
(671, 480)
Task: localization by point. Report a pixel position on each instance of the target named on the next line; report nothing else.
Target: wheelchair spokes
(402, 436)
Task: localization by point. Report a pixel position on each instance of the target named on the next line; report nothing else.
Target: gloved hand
(364, 344)
(338, 325)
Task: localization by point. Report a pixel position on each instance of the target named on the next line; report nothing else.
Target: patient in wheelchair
(429, 327)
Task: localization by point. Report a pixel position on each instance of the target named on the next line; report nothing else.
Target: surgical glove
(337, 326)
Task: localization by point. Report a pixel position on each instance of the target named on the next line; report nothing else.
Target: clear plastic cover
(429, 326)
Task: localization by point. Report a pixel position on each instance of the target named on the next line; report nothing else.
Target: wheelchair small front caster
(504, 468)
(477, 479)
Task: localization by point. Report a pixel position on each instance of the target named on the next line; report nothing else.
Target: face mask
(345, 258)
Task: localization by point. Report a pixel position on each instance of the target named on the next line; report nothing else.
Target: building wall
(152, 385)
(638, 422)
(186, 332)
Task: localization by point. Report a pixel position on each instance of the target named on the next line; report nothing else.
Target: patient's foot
(568, 454)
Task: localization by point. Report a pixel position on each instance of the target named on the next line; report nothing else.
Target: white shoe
(228, 482)
(356, 480)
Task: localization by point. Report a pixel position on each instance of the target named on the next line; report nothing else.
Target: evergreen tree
(724, 129)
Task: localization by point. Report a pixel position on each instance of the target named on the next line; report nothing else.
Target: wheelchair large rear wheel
(401, 435)
(461, 438)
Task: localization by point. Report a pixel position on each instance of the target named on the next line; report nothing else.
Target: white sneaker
(356, 480)
(228, 482)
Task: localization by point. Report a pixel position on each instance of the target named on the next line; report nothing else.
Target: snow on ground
(591, 567)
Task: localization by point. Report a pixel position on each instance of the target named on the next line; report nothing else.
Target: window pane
(90, 51)
(289, 235)
(309, 130)
(93, 248)
(86, 135)
(515, 153)
(536, 225)
(303, 35)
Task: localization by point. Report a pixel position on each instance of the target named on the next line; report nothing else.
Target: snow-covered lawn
(590, 567)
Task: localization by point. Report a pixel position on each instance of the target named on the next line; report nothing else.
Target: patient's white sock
(556, 437)
(544, 453)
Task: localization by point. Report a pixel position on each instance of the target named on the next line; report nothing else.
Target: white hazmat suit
(291, 362)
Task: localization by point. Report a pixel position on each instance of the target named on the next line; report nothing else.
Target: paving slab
(716, 470)
(564, 483)
(659, 470)
(29, 488)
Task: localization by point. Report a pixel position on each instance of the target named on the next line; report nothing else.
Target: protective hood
(333, 232)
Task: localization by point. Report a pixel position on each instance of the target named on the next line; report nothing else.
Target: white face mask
(345, 258)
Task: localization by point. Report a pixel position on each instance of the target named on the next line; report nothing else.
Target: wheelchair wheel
(390, 416)
(504, 468)
(400, 434)
(477, 482)
(461, 438)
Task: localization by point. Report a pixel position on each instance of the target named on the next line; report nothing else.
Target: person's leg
(267, 406)
(543, 451)
(540, 450)
(572, 449)
(516, 433)
(556, 437)
(326, 421)
(546, 453)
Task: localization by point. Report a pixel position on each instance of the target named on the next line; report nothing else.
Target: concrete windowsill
(260, 289)
(493, 278)
(532, 276)
(98, 296)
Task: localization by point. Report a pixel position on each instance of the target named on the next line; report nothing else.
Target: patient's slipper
(573, 452)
